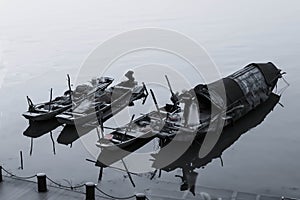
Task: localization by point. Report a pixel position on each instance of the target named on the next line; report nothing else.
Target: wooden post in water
(21, 157)
(42, 182)
(90, 191)
(1, 174)
(140, 196)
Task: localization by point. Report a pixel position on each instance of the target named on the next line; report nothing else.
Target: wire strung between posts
(67, 187)
(63, 186)
(30, 177)
(19, 177)
(113, 197)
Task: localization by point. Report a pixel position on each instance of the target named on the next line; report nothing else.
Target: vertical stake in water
(90, 191)
(69, 86)
(53, 143)
(140, 196)
(31, 146)
(42, 182)
(1, 174)
(100, 174)
(50, 102)
(21, 157)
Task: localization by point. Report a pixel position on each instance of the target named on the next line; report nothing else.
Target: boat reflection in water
(39, 128)
(71, 133)
(190, 160)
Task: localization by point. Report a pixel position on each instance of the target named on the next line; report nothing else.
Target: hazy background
(42, 41)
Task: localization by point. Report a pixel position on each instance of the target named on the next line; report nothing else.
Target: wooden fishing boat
(101, 107)
(48, 110)
(190, 116)
(123, 141)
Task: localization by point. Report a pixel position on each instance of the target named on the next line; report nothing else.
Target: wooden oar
(128, 173)
(170, 88)
(69, 86)
(146, 95)
(126, 130)
(155, 103)
(50, 102)
(174, 98)
(101, 169)
(124, 164)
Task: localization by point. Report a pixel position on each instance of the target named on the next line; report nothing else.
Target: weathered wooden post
(42, 182)
(90, 191)
(1, 174)
(140, 196)
(21, 157)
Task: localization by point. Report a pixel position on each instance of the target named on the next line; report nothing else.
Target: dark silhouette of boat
(104, 105)
(81, 126)
(39, 128)
(190, 160)
(48, 110)
(199, 112)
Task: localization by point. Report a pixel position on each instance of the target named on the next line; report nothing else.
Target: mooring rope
(33, 176)
(63, 186)
(20, 177)
(113, 197)
(67, 187)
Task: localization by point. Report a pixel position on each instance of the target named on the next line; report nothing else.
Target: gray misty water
(42, 41)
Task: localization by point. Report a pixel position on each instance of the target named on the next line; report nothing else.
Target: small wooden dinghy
(123, 141)
(105, 105)
(48, 110)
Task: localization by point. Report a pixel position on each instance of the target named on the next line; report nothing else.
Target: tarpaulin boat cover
(253, 83)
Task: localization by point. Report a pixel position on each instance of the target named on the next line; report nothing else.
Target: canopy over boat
(254, 83)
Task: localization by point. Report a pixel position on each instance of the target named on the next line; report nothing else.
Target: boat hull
(115, 152)
(45, 115)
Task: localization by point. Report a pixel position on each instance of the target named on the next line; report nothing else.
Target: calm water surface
(40, 42)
